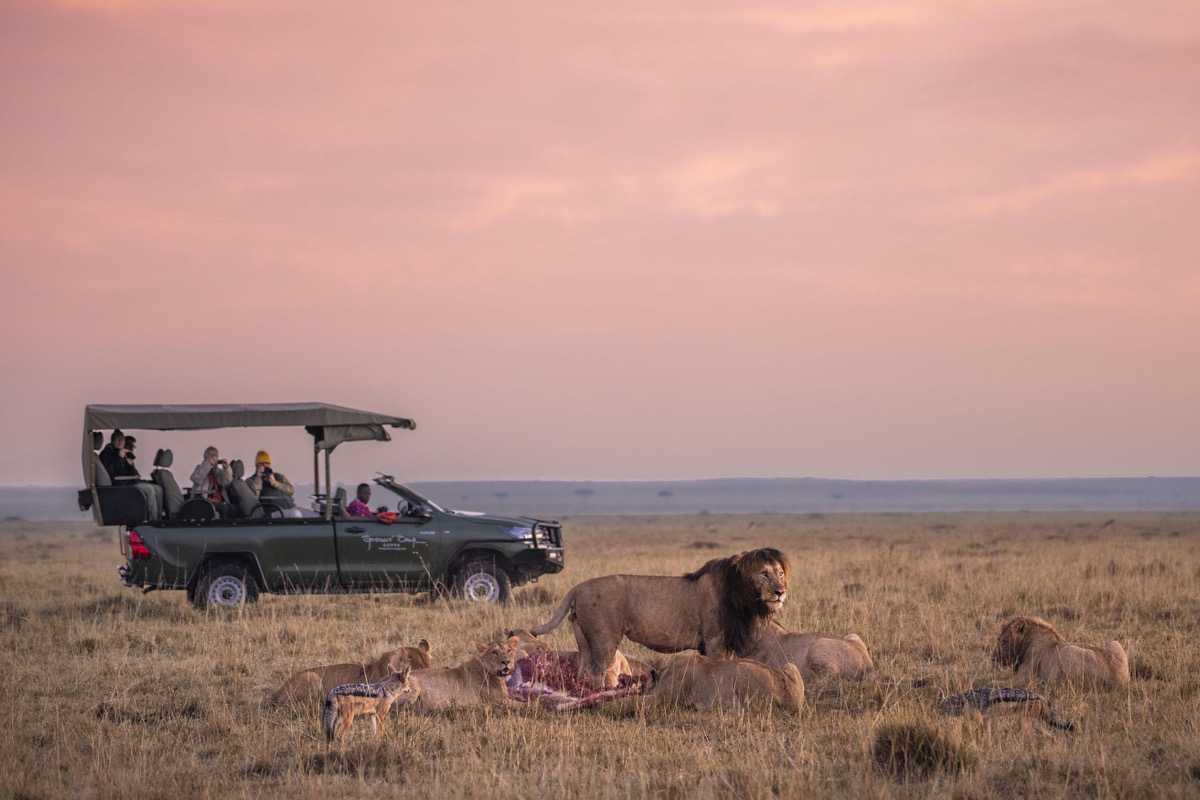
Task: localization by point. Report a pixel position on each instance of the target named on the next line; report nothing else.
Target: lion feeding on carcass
(717, 609)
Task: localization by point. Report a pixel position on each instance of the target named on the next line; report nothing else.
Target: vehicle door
(296, 554)
(375, 554)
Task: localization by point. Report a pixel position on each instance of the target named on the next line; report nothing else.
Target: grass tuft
(916, 749)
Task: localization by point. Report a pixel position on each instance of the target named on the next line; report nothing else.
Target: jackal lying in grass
(345, 702)
(988, 704)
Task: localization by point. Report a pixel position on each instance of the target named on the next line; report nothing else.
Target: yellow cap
(263, 457)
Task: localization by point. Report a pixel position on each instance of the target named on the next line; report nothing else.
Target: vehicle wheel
(225, 586)
(482, 582)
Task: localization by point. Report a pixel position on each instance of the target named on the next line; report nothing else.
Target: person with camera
(270, 486)
(119, 459)
(210, 479)
(112, 457)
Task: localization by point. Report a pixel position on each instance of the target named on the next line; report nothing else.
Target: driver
(360, 505)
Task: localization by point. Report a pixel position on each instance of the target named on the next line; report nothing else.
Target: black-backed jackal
(992, 703)
(343, 703)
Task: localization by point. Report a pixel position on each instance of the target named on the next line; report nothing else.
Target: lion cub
(478, 680)
(344, 703)
(319, 681)
(707, 683)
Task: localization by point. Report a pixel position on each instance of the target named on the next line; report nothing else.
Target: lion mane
(717, 609)
(1032, 647)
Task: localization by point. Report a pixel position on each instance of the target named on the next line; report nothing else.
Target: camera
(268, 471)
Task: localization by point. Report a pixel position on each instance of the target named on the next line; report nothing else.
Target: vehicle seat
(238, 492)
(339, 502)
(198, 508)
(161, 475)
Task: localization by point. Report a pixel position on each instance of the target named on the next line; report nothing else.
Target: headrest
(238, 468)
(97, 440)
(164, 458)
(339, 497)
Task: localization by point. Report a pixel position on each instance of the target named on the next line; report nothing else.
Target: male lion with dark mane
(717, 609)
(1031, 646)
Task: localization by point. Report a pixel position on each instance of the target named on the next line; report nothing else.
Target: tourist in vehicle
(268, 485)
(360, 505)
(112, 457)
(210, 479)
(123, 470)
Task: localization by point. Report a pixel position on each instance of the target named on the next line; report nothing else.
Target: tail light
(138, 551)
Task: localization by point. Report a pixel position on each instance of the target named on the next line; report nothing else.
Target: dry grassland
(111, 693)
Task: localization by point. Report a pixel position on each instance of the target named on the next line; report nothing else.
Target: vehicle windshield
(412, 497)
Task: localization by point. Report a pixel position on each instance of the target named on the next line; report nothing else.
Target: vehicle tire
(482, 582)
(225, 586)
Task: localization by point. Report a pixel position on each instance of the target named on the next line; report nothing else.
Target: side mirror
(416, 512)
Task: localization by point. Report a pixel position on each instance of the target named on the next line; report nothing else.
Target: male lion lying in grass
(478, 680)
(818, 655)
(1032, 647)
(319, 681)
(717, 609)
(708, 683)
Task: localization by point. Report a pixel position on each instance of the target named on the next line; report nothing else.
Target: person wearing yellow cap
(268, 485)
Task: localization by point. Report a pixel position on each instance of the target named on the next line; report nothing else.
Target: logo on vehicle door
(395, 542)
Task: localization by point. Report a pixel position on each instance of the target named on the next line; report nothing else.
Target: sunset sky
(619, 240)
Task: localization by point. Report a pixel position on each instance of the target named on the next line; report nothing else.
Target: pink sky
(611, 241)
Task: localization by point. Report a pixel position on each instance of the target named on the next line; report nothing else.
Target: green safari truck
(227, 554)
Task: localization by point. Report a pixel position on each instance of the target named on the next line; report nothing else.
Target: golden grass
(111, 693)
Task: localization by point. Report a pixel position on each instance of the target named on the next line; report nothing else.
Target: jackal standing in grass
(343, 703)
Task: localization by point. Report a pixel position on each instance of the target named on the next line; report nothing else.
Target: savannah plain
(112, 693)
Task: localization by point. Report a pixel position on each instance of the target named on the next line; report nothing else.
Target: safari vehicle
(260, 547)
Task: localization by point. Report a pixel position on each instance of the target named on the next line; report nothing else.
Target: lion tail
(563, 608)
(1119, 662)
(329, 718)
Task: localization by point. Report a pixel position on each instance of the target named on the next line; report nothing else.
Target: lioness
(528, 643)
(480, 679)
(1032, 647)
(818, 655)
(715, 609)
(707, 683)
(319, 681)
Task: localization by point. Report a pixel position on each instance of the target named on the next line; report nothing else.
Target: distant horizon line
(731, 478)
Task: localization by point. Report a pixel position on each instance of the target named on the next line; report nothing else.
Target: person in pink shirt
(358, 506)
